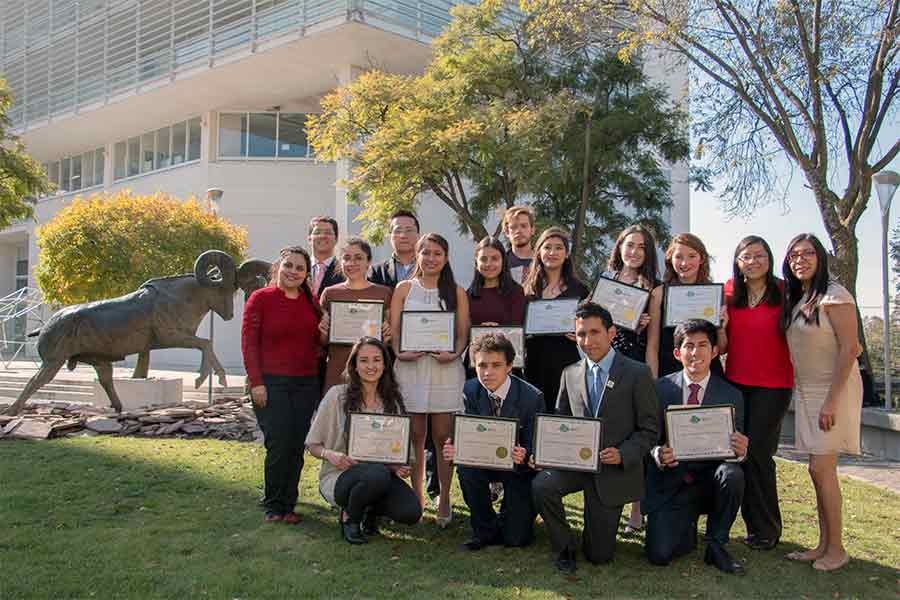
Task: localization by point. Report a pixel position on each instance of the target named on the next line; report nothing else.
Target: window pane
(76, 173)
(54, 173)
(22, 268)
(147, 152)
(262, 134)
(179, 140)
(119, 159)
(195, 132)
(134, 156)
(232, 134)
(87, 169)
(163, 158)
(99, 166)
(65, 174)
(292, 135)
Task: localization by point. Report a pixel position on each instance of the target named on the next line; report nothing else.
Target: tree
(107, 245)
(21, 178)
(811, 80)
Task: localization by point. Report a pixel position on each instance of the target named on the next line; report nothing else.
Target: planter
(139, 393)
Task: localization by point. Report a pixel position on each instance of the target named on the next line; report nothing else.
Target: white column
(344, 211)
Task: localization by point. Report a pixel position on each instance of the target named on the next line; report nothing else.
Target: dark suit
(677, 496)
(514, 526)
(630, 424)
(332, 276)
(385, 273)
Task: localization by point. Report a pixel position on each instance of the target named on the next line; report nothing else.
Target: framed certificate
(685, 302)
(625, 302)
(700, 432)
(484, 442)
(379, 438)
(427, 331)
(516, 335)
(551, 317)
(350, 321)
(567, 443)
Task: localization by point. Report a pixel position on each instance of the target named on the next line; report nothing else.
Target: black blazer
(630, 414)
(384, 273)
(332, 276)
(522, 402)
(663, 484)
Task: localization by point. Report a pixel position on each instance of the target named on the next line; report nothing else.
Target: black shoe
(370, 523)
(763, 544)
(476, 543)
(351, 531)
(565, 562)
(718, 557)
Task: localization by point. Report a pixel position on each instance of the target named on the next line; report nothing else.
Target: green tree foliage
(21, 178)
(107, 245)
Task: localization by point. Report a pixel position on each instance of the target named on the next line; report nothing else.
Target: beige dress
(813, 351)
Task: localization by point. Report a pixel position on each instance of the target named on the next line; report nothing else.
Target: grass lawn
(109, 517)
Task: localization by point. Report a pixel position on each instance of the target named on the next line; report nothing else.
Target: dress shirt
(686, 388)
(604, 363)
(402, 271)
(321, 265)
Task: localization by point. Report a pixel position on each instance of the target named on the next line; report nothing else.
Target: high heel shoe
(444, 522)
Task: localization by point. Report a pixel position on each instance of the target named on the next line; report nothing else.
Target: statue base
(141, 393)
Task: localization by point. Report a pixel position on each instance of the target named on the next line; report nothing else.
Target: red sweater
(757, 349)
(279, 335)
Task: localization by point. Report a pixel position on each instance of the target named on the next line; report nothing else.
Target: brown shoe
(292, 518)
(273, 517)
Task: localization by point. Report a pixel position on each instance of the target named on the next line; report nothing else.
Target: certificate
(685, 302)
(551, 317)
(625, 302)
(516, 335)
(484, 442)
(700, 432)
(427, 331)
(567, 443)
(379, 438)
(350, 321)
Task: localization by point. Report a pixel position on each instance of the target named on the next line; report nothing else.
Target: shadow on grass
(161, 518)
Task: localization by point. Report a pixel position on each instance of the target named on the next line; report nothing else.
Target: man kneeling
(496, 393)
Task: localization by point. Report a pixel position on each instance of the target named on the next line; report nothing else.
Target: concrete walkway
(87, 374)
(877, 471)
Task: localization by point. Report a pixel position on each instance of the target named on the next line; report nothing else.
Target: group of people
(794, 336)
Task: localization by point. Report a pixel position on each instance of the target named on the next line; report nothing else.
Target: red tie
(693, 397)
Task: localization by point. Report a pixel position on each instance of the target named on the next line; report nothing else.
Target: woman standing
(819, 318)
(687, 263)
(552, 275)
(494, 296)
(759, 364)
(280, 344)
(431, 382)
(355, 256)
(363, 491)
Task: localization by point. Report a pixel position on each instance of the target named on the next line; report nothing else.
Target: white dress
(427, 385)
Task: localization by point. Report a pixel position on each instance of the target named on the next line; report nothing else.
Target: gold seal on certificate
(697, 301)
(484, 442)
(379, 438)
(427, 331)
(567, 443)
(551, 317)
(516, 335)
(350, 321)
(624, 302)
(700, 432)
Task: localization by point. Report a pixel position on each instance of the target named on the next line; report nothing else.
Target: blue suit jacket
(663, 484)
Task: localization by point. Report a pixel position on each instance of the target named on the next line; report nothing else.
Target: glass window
(148, 153)
(292, 135)
(119, 153)
(22, 268)
(195, 132)
(232, 134)
(65, 175)
(262, 134)
(99, 165)
(134, 156)
(87, 170)
(163, 155)
(76, 173)
(179, 142)
(53, 173)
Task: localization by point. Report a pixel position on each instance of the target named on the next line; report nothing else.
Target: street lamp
(886, 183)
(213, 203)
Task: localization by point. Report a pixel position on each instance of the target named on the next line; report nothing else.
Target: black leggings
(365, 485)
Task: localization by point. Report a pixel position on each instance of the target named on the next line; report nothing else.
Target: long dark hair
(537, 276)
(694, 243)
(388, 390)
(793, 287)
(307, 291)
(648, 275)
(446, 281)
(740, 297)
(506, 281)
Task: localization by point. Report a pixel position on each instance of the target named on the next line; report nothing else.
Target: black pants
(764, 410)
(601, 522)
(285, 422)
(364, 485)
(672, 529)
(514, 526)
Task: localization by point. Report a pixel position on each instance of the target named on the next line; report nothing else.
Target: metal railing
(16, 309)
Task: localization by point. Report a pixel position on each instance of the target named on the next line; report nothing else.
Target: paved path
(877, 471)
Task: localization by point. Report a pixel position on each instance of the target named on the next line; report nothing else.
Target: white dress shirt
(502, 391)
(686, 387)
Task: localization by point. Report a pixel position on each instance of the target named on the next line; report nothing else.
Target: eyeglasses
(404, 231)
(749, 258)
(801, 254)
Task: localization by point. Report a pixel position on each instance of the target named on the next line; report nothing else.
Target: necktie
(596, 390)
(694, 397)
(320, 275)
(497, 403)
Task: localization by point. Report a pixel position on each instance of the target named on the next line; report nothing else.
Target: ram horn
(252, 275)
(215, 268)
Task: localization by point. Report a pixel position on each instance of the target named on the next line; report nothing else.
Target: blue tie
(596, 391)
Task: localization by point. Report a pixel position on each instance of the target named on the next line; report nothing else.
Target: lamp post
(213, 200)
(886, 183)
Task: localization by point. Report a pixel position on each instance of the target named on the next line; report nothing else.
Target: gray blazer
(630, 414)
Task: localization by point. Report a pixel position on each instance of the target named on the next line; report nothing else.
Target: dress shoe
(758, 543)
(274, 517)
(718, 557)
(565, 562)
(291, 518)
(370, 523)
(353, 533)
(476, 543)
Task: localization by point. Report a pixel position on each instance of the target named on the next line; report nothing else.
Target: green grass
(110, 517)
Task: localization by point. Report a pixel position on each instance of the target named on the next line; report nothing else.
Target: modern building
(185, 95)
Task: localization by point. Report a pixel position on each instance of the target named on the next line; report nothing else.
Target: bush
(107, 245)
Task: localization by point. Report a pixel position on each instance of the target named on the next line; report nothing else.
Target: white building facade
(184, 95)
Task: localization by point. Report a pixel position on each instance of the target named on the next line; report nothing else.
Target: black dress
(547, 355)
(667, 361)
(631, 344)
